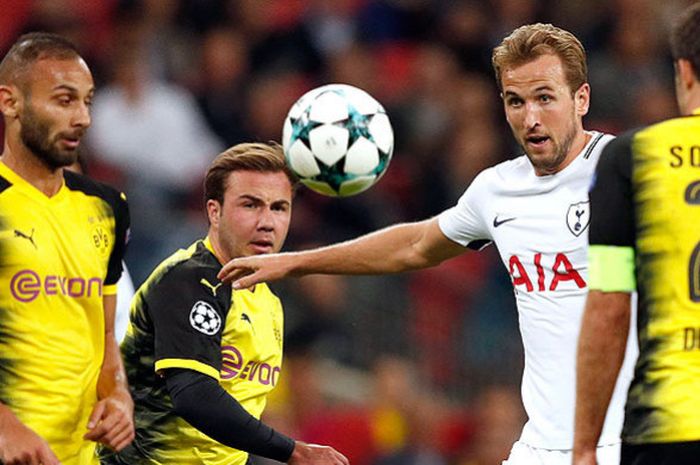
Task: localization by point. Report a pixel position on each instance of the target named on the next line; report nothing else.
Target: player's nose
(531, 115)
(266, 219)
(81, 116)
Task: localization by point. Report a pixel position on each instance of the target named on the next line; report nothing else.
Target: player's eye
(546, 98)
(514, 101)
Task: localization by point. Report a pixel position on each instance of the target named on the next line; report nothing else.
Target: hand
(585, 457)
(313, 454)
(112, 421)
(20, 445)
(245, 272)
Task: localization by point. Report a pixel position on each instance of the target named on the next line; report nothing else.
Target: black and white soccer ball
(338, 140)
(204, 318)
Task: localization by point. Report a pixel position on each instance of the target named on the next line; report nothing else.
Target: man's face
(55, 111)
(543, 115)
(254, 218)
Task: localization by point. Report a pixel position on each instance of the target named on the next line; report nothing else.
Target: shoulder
(510, 168)
(504, 172)
(80, 183)
(187, 266)
(186, 277)
(264, 292)
(618, 147)
(673, 123)
(590, 154)
(670, 130)
(492, 181)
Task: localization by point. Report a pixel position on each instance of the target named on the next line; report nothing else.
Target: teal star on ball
(302, 126)
(357, 125)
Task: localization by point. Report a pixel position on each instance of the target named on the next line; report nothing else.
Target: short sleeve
(121, 235)
(463, 223)
(188, 308)
(612, 209)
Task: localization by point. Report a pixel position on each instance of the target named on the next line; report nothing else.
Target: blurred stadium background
(421, 368)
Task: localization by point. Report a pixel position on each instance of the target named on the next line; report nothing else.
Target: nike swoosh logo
(497, 223)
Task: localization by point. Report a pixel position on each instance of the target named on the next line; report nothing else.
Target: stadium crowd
(417, 368)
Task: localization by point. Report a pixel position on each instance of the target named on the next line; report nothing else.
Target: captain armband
(611, 268)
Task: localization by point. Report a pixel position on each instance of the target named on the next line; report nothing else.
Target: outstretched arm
(222, 418)
(403, 247)
(601, 350)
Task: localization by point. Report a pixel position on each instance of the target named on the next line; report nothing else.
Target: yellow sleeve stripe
(611, 268)
(187, 363)
(109, 289)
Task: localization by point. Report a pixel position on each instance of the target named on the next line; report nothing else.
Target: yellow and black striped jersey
(184, 317)
(58, 256)
(647, 200)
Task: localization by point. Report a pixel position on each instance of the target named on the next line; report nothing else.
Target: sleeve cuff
(109, 289)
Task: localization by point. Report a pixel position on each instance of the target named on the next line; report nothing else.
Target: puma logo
(207, 284)
(29, 237)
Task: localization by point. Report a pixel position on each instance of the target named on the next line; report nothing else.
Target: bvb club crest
(578, 216)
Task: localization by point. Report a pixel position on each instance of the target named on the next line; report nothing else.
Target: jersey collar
(207, 244)
(29, 189)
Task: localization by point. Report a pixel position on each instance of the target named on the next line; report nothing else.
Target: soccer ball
(338, 140)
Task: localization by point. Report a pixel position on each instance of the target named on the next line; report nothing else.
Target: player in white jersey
(535, 209)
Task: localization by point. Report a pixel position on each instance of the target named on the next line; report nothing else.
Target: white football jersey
(540, 226)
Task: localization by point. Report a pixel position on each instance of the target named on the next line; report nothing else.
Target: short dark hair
(531, 41)
(32, 47)
(252, 156)
(685, 38)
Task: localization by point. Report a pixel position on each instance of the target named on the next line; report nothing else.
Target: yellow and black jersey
(59, 256)
(645, 225)
(184, 317)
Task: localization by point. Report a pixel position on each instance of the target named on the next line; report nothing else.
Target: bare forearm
(402, 247)
(601, 351)
(112, 375)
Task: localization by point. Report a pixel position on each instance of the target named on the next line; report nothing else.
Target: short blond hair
(531, 41)
(250, 156)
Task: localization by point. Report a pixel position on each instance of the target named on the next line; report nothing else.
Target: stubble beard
(35, 135)
(550, 165)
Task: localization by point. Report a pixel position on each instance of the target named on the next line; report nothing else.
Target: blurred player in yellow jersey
(644, 233)
(202, 358)
(62, 239)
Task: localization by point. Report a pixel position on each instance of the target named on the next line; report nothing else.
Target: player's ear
(582, 99)
(9, 101)
(213, 211)
(685, 73)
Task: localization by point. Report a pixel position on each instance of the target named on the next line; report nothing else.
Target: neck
(219, 252)
(580, 140)
(693, 104)
(22, 161)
